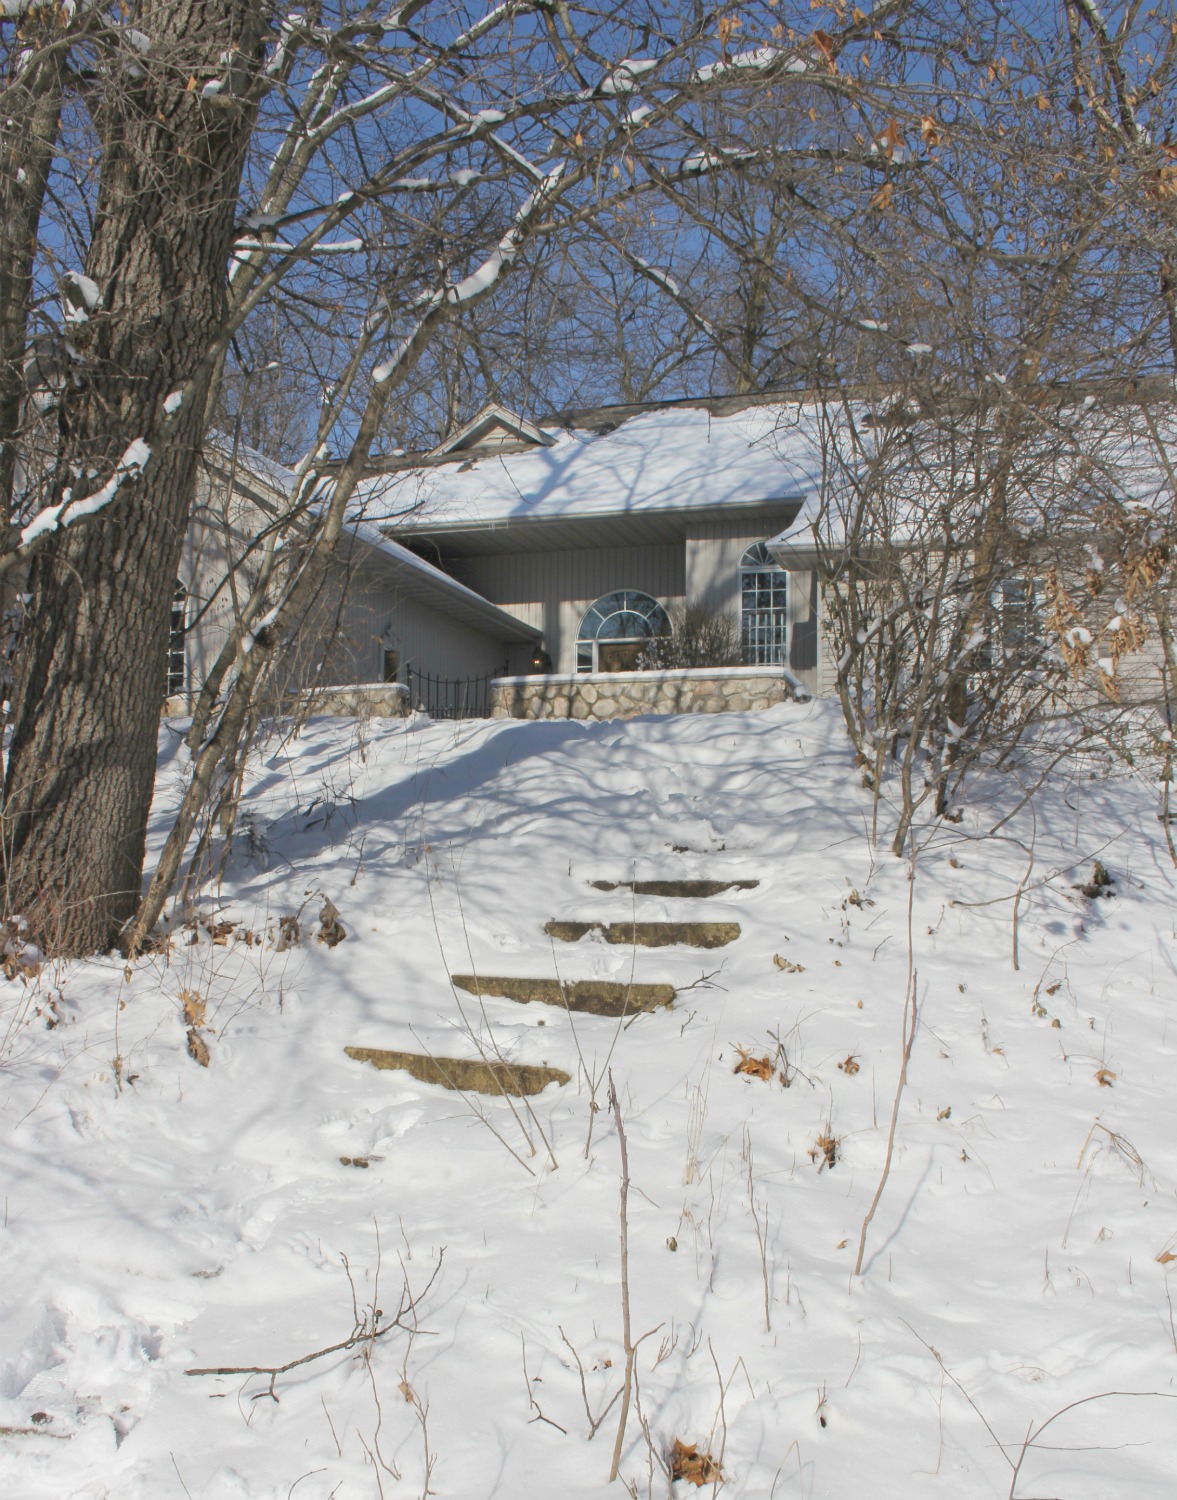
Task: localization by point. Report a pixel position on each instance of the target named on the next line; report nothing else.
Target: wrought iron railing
(451, 697)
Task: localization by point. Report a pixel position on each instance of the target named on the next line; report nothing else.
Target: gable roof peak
(493, 428)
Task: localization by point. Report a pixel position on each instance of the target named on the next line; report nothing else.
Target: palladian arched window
(616, 629)
(764, 617)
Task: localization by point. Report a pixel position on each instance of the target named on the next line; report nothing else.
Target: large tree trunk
(90, 670)
(31, 106)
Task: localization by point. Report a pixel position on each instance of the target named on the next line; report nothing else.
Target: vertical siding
(713, 555)
(431, 641)
(713, 565)
(552, 590)
(222, 526)
(804, 627)
(342, 639)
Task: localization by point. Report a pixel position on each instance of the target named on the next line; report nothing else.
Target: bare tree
(375, 174)
(983, 394)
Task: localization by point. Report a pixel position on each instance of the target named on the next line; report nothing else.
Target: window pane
(764, 615)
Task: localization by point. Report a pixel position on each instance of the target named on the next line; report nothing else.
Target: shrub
(701, 635)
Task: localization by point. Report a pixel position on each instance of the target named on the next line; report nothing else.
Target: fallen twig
(366, 1331)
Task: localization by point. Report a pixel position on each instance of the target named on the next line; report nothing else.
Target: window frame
(764, 627)
(588, 644)
(176, 678)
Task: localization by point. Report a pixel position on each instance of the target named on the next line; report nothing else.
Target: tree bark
(31, 105)
(91, 663)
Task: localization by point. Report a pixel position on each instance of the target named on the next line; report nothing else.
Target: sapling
(910, 1015)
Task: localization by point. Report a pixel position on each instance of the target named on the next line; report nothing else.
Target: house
(592, 527)
(382, 612)
(540, 559)
(530, 554)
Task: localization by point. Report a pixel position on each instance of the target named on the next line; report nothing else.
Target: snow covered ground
(159, 1215)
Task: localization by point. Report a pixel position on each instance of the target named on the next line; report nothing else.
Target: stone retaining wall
(377, 700)
(623, 695)
(358, 700)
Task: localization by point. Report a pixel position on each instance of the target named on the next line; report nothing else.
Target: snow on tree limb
(479, 281)
(58, 517)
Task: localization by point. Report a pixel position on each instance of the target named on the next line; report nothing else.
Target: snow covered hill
(1012, 1331)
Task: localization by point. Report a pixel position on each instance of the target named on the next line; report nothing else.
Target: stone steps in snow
(649, 934)
(594, 997)
(676, 889)
(465, 1075)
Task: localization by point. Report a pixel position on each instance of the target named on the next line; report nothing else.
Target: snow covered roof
(1083, 454)
(418, 579)
(413, 576)
(670, 459)
(225, 452)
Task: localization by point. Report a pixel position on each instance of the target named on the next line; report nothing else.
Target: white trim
(492, 413)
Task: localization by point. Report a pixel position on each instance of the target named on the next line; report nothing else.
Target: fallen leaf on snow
(195, 1007)
(758, 1067)
(686, 1462)
(331, 929)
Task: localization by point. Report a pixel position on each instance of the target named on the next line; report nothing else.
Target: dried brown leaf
(686, 1462)
(758, 1067)
(882, 198)
(195, 1007)
(331, 929)
(828, 48)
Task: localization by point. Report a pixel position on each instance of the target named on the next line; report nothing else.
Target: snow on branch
(712, 157)
(479, 281)
(284, 247)
(58, 517)
(401, 84)
(757, 61)
(670, 286)
(623, 79)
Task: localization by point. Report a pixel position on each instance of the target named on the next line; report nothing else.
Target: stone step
(687, 889)
(595, 997)
(649, 934)
(468, 1076)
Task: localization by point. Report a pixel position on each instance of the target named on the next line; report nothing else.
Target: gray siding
(358, 614)
(713, 564)
(713, 556)
(552, 590)
(430, 640)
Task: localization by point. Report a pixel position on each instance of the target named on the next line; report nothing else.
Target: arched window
(176, 673)
(764, 617)
(615, 630)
